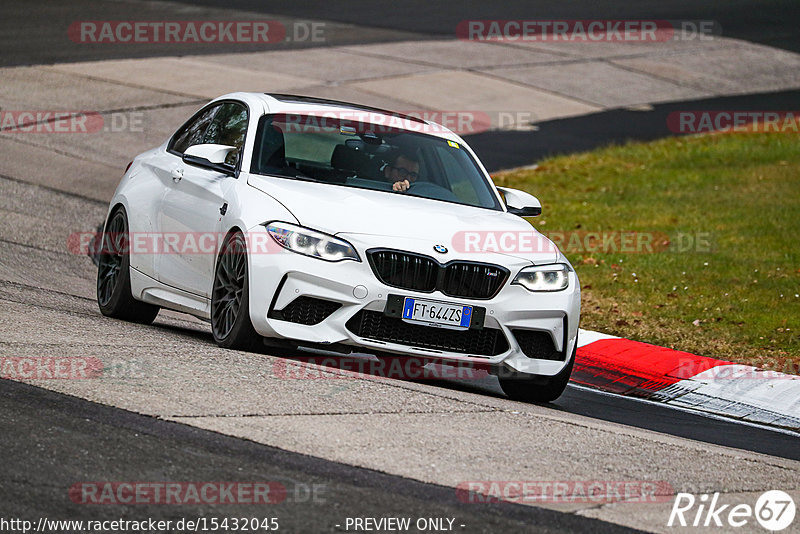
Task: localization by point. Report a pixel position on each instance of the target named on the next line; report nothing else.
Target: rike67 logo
(774, 510)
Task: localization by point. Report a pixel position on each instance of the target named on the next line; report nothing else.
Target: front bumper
(277, 279)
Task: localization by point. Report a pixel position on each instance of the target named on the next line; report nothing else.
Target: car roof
(299, 99)
(290, 103)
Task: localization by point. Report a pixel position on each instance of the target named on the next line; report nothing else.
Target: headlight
(544, 277)
(311, 243)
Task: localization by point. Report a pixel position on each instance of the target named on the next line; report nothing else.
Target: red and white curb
(685, 380)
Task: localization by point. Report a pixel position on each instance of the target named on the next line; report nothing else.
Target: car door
(192, 208)
(160, 169)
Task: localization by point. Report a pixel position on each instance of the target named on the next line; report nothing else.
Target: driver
(402, 172)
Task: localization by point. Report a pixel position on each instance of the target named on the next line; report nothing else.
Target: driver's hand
(401, 186)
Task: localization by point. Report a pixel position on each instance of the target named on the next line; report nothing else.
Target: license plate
(438, 314)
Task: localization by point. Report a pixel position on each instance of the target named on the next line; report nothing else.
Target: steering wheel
(431, 190)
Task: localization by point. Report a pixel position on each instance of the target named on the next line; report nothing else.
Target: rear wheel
(114, 276)
(230, 304)
(536, 388)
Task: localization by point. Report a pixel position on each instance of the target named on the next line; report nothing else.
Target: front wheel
(114, 276)
(230, 303)
(535, 388)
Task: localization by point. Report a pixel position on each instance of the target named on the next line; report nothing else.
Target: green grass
(736, 296)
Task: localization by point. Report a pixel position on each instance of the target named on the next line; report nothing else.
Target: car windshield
(370, 156)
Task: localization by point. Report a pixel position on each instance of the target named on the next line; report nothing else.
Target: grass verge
(721, 215)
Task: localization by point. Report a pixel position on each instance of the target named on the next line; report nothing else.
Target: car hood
(382, 219)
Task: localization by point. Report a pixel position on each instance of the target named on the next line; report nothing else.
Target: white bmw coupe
(296, 221)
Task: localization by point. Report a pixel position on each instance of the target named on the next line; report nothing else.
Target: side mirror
(521, 203)
(210, 156)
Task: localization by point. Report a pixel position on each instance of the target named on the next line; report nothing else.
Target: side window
(228, 127)
(459, 180)
(192, 133)
(269, 154)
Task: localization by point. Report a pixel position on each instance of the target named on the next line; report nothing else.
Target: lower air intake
(538, 345)
(376, 326)
(306, 310)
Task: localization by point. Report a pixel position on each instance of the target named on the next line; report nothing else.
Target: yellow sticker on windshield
(453, 144)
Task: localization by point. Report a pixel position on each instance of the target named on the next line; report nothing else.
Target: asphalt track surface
(509, 149)
(69, 440)
(31, 32)
(774, 23)
(644, 414)
(50, 440)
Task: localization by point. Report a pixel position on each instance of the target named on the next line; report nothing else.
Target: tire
(114, 276)
(230, 302)
(537, 388)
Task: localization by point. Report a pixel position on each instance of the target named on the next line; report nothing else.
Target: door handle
(177, 175)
